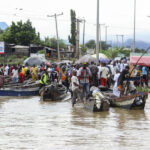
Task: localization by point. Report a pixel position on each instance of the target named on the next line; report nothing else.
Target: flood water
(29, 124)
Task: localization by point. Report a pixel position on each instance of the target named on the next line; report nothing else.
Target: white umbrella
(86, 58)
(36, 60)
(101, 55)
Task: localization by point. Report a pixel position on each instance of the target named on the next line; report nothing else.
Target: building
(20, 50)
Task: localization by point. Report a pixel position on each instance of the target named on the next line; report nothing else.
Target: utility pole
(106, 34)
(134, 25)
(97, 32)
(100, 37)
(78, 52)
(122, 40)
(83, 32)
(55, 16)
(117, 41)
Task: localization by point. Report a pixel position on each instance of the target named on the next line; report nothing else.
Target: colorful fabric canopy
(144, 61)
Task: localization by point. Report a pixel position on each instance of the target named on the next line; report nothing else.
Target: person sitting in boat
(122, 77)
(21, 76)
(54, 75)
(84, 73)
(75, 87)
(44, 79)
(116, 92)
(34, 71)
(63, 77)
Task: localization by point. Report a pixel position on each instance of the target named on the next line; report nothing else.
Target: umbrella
(104, 60)
(101, 55)
(36, 60)
(86, 58)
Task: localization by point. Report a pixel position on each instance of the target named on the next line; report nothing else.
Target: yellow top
(24, 70)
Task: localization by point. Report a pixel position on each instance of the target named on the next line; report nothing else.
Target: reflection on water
(30, 124)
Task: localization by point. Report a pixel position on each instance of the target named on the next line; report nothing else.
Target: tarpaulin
(144, 60)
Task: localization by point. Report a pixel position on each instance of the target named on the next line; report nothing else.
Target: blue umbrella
(104, 60)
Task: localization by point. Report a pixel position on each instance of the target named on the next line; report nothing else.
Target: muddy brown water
(29, 124)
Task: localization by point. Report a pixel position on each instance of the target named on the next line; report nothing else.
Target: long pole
(100, 39)
(97, 33)
(77, 39)
(58, 52)
(134, 25)
(122, 37)
(117, 41)
(83, 32)
(106, 34)
(55, 16)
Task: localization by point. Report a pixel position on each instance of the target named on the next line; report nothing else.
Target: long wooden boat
(54, 92)
(135, 101)
(17, 89)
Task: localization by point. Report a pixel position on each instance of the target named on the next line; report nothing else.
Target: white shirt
(116, 92)
(112, 69)
(74, 79)
(15, 73)
(99, 71)
(6, 71)
(105, 72)
(122, 67)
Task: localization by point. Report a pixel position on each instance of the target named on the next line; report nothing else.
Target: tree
(104, 45)
(21, 33)
(52, 42)
(72, 37)
(91, 44)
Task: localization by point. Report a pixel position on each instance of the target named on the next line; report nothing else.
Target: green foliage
(111, 54)
(91, 44)
(84, 49)
(25, 57)
(125, 52)
(141, 89)
(72, 37)
(21, 33)
(41, 52)
(139, 50)
(52, 42)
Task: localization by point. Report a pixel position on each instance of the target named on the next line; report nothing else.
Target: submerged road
(29, 124)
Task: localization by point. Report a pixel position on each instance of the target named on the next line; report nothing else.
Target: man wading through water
(75, 88)
(84, 74)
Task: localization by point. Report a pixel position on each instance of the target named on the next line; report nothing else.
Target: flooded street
(29, 124)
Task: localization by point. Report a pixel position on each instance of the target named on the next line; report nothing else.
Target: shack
(20, 50)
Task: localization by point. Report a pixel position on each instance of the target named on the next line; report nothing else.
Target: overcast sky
(117, 14)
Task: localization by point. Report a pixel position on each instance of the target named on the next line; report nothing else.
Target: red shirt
(21, 77)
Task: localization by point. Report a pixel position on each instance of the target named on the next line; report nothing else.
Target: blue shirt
(144, 71)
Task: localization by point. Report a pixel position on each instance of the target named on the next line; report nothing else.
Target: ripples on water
(29, 124)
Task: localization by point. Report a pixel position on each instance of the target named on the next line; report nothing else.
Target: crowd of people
(77, 78)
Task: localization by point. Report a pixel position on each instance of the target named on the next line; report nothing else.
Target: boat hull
(19, 92)
(92, 106)
(130, 102)
(54, 93)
